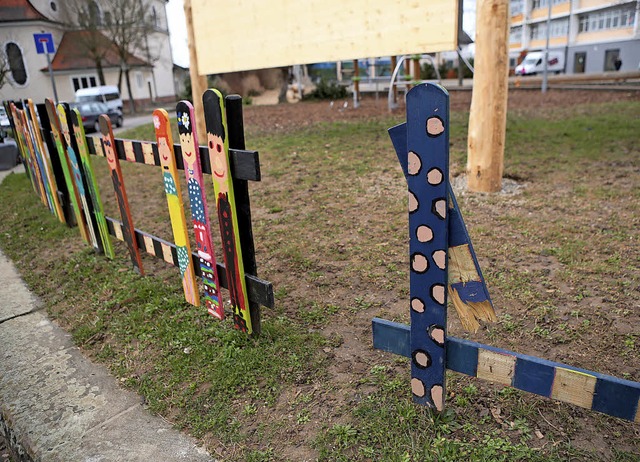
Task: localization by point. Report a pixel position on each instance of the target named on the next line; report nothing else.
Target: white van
(533, 63)
(104, 94)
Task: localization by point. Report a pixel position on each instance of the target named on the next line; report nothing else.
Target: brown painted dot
(419, 263)
(413, 202)
(434, 177)
(440, 208)
(417, 305)
(440, 258)
(415, 164)
(437, 396)
(421, 359)
(424, 233)
(437, 334)
(434, 126)
(437, 292)
(417, 387)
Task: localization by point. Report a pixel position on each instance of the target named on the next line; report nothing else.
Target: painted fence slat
(466, 284)
(24, 152)
(92, 184)
(235, 127)
(591, 390)
(427, 154)
(218, 144)
(78, 176)
(199, 208)
(46, 157)
(176, 207)
(38, 157)
(120, 192)
(66, 168)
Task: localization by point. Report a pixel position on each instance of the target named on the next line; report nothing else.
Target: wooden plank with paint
(591, 390)
(218, 145)
(78, 176)
(466, 285)
(176, 208)
(235, 128)
(38, 160)
(66, 168)
(46, 158)
(428, 171)
(24, 151)
(58, 173)
(199, 208)
(108, 143)
(92, 184)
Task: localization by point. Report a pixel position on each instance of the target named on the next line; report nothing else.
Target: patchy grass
(559, 255)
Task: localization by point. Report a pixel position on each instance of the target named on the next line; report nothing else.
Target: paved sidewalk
(55, 405)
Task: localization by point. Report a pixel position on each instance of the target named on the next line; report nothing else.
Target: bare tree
(108, 27)
(86, 17)
(130, 23)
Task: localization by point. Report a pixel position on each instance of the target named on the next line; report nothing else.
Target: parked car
(90, 113)
(5, 125)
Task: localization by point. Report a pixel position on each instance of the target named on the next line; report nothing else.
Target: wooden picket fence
(55, 153)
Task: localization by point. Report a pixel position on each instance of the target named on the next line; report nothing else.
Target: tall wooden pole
(488, 114)
(198, 82)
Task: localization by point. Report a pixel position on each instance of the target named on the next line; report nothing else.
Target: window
(515, 35)
(608, 19)
(84, 81)
(517, 7)
(139, 79)
(558, 28)
(16, 63)
(611, 58)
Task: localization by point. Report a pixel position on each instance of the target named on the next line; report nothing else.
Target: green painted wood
(94, 190)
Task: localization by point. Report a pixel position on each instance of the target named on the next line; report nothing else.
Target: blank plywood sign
(257, 34)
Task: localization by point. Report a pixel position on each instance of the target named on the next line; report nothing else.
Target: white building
(593, 34)
(151, 68)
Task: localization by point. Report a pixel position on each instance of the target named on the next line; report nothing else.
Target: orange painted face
(218, 156)
(163, 149)
(188, 148)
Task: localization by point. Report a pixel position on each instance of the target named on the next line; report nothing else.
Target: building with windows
(149, 65)
(594, 35)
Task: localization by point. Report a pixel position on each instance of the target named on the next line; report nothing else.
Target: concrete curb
(55, 405)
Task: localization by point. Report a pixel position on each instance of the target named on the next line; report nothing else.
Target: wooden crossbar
(591, 390)
(244, 163)
(259, 290)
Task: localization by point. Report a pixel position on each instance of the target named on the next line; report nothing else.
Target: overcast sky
(178, 28)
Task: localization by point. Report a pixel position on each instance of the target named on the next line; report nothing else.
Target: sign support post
(44, 45)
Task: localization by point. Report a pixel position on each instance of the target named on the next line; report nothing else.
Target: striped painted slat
(591, 390)
(259, 290)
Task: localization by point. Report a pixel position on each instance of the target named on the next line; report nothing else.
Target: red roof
(72, 52)
(19, 10)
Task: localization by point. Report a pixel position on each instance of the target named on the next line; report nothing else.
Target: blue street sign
(44, 43)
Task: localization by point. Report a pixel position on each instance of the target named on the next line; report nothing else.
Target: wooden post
(416, 69)
(198, 82)
(394, 63)
(488, 114)
(356, 82)
(407, 73)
